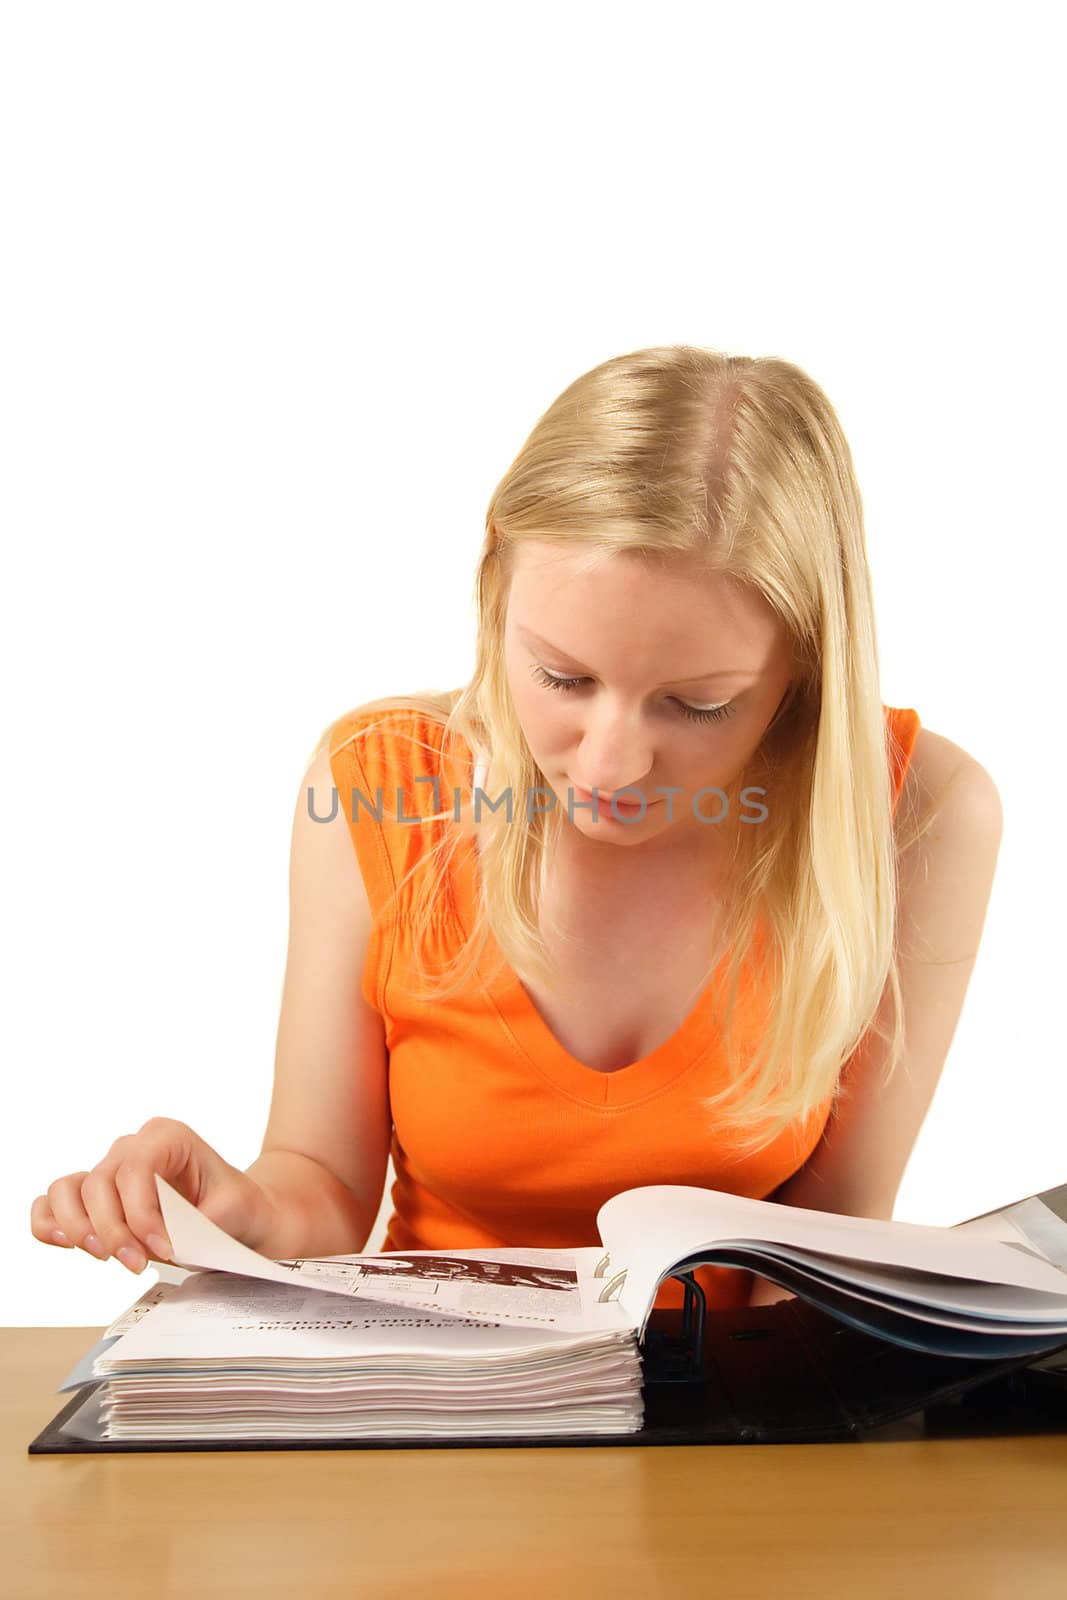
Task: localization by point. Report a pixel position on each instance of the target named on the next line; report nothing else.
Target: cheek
(535, 717)
(543, 724)
(710, 760)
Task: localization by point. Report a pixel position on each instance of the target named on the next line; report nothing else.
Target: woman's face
(632, 676)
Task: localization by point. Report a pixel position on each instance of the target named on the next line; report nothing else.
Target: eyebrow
(675, 683)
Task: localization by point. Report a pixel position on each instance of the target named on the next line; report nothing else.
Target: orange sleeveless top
(500, 1136)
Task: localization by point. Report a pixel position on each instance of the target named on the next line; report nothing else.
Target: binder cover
(787, 1373)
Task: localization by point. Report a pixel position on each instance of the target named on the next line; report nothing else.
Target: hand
(114, 1209)
(766, 1293)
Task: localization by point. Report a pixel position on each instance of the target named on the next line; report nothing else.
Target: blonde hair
(679, 451)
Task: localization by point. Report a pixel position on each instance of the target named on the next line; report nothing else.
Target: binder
(787, 1373)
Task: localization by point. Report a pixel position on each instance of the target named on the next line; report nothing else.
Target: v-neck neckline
(532, 1036)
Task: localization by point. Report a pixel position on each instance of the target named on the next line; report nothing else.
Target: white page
(523, 1287)
(213, 1318)
(948, 1302)
(1030, 1222)
(652, 1227)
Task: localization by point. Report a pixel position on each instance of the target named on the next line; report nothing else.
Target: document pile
(518, 1342)
(505, 1342)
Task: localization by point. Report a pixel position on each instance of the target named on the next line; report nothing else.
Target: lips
(627, 807)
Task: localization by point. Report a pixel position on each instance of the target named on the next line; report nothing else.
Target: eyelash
(715, 715)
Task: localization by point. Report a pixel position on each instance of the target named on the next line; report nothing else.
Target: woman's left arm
(946, 878)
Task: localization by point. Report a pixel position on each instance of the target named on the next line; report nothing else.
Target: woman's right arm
(326, 1148)
(316, 1187)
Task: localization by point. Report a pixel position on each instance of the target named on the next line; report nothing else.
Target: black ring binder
(790, 1373)
(785, 1373)
(672, 1359)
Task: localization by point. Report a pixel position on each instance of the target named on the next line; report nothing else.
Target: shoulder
(384, 732)
(947, 782)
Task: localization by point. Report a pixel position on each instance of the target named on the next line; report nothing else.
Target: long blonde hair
(741, 462)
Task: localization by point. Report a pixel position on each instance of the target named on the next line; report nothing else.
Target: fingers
(105, 1192)
(44, 1224)
(114, 1209)
(62, 1210)
(764, 1292)
(136, 1185)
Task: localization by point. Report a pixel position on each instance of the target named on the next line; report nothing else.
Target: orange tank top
(500, 1136)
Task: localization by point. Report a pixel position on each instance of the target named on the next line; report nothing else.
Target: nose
(614, 755)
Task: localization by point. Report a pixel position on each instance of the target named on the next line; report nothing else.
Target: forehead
(554, 581)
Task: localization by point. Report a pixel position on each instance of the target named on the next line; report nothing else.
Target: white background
(286, 288)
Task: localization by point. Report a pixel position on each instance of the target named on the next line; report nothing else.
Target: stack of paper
(225, 1357)
(496, 1342)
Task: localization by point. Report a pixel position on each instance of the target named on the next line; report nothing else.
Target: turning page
(562, 1290)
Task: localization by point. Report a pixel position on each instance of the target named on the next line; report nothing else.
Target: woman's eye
(695, 713)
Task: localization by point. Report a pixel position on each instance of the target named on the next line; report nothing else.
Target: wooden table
(903, 1515)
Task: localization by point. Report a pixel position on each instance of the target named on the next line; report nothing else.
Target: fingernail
(131, 1258)
(91, 1242)
(160, 1247)
(59, 1236)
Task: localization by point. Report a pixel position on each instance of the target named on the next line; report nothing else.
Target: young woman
(746, 979)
